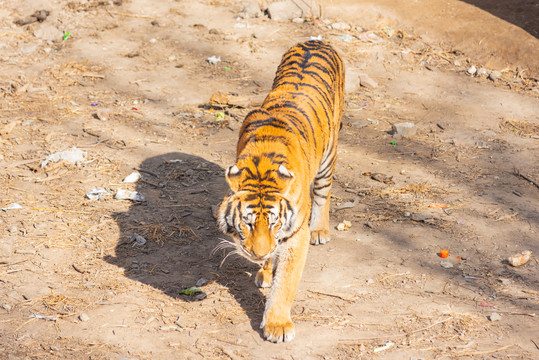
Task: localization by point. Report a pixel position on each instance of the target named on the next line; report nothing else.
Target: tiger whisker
(224, 244)
(227, 255)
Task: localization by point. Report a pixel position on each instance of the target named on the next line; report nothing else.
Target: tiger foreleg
(264, 276)
(277, 322)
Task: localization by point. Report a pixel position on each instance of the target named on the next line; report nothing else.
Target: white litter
(73, 155)
(13, 206)
(129, 195)
(384, 347)
(131, 178)
(95, 194)
(319, 37)
(138, 240)
(214, 60)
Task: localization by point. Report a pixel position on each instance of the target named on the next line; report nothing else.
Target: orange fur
(281, 180)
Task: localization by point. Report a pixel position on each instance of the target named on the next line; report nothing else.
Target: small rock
(369, 225)
(471, 70)
(494, 75)
(366, 81)
(104, 114)
(422, 217)
(406, 130)
(340, 26)
(495, 317)
(84, 317)
(446, 264)
(359, 123)
(201, 282)
(406, 214)
(201, 296)
(6, 307)
(13, 229)
(369, 281)
(482, 72)
(48, 33)
(284, 10)
(251, 10)
(298, 20)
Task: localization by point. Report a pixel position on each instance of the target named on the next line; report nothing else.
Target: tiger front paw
(279, 331)
(264, 278)
(319, 237)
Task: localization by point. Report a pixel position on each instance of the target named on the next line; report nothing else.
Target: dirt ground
(129, 84)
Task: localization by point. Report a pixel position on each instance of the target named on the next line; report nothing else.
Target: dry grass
(160, 233)
(521, 128)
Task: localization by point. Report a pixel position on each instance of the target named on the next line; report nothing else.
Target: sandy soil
(77, 283)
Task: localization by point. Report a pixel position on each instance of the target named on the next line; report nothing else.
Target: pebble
(406, 129)
(495, 317)
(251, 10)
(201, 282)
(482, 72)
(6, 307)
(406, 214)
(369, 281)
(494, 75)
(84, 317)
(13, 229)
(366, 81)
(359, 123)
(446, 264)
(298, 20)
(48, 33)
(472, 70)
(340, 26)
(284, 10)
(104, 114)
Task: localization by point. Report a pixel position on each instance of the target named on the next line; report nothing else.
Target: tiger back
(280, 183)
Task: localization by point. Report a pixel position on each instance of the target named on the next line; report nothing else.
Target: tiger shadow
(180, 234)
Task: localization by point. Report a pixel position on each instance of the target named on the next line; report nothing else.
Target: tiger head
(257, 214)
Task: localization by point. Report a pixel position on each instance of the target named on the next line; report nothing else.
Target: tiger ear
(286, 176)
(284, 172)
(233, 177)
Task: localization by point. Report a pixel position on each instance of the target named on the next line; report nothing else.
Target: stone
(366, 81)
(84, 317)
(482, 72)
(340, 26)
(201, 282)
(48, 33)
(405, 130)
(446, 264)
(494, 75)
(251, 10)
(284, 11)
(471, 70)
(359, 123)
(495, 317)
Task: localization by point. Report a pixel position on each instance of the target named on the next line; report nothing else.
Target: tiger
(281, 180)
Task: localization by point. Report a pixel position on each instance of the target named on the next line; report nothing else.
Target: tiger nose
(257, 254)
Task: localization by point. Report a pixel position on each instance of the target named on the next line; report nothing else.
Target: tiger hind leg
(319, 224)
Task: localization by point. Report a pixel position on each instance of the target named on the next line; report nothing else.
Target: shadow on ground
(177, 222)
(522, 13)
